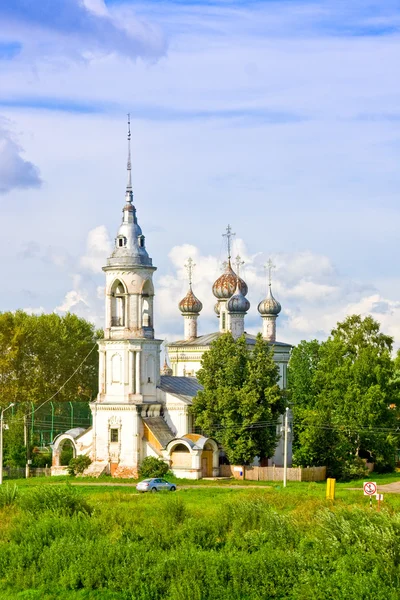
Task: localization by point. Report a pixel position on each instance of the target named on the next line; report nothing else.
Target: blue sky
(281, 118)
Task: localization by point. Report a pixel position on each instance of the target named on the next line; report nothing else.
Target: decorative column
(137, 373)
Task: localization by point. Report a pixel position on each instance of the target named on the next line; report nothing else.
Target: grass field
(83, 542)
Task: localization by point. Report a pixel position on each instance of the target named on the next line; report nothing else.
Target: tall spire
(129, 194)
(229, 234)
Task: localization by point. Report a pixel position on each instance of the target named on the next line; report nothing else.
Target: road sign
(379, 497)
(369, 488)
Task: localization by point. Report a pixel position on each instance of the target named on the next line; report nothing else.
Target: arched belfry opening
(118, 304)
(147, 304)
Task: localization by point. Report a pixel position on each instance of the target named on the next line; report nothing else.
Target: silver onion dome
(190, 305)
(238, 303)
(269, 306)
(217, 309)
(225, 285)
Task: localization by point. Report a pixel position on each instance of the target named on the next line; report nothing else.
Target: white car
(155, 485)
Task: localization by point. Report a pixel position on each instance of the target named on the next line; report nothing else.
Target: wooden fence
(273, 473)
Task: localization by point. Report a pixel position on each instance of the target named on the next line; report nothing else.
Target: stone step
(95, 469)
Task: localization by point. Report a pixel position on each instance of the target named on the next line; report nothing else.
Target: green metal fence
(44, 424)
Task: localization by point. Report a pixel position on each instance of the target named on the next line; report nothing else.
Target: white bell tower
(129, 369)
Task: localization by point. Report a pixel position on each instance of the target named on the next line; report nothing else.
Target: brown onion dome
(225, 285)
(190, 305)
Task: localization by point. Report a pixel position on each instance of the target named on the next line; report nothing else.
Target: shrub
(79, 464)
(41, 459)
(352, 469)
(8, 495)
(153, 467)
(55, 498)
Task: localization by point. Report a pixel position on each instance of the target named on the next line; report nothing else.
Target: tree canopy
(240, 391)
(38, 355)
(345, 396)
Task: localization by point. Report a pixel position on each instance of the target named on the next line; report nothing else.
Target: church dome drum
(225, 285)
(190, 304)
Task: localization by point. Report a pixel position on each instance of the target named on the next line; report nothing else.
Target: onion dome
(269, 306)
(238, 303)
(190, 305)
(217, 309)
(225, 285)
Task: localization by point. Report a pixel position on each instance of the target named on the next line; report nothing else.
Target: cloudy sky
(281, 118)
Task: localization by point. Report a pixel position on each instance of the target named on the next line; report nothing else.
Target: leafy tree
(345, 397)
(13, 440)
(240, 391)
(153, 467)
(38, 355)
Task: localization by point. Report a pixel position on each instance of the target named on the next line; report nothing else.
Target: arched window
(141, 241)
(117, 305)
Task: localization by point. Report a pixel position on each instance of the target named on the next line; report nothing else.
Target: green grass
(229, 543)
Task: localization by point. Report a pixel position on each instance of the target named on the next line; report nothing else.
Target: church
(142, 410)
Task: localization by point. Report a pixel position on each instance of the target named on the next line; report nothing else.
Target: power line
(62, 387)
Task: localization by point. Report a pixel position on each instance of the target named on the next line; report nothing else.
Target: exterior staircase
(96, 469)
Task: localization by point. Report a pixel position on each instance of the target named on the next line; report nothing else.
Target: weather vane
(229, 234)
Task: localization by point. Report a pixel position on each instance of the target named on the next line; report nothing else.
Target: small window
(114, 435)
(223, 320)
(141, 241)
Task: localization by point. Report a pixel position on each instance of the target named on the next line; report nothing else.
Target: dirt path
(180, 487)
(388, 488)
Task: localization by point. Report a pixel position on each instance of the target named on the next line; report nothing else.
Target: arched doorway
(67, 452)
(181, 457)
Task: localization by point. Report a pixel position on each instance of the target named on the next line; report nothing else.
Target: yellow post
(330, 488)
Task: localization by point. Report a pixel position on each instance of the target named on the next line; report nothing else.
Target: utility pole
(3, 410)
(285, 447)
(26, 446)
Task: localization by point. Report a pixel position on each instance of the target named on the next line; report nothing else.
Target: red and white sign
(369, 488)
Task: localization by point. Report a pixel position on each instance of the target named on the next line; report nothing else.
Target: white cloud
(77, 29)
(15, 171)
(98, 248)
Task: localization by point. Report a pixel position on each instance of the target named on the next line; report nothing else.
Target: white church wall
(176, 415)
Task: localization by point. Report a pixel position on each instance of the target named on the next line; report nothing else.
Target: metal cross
(229, 234)
(190, 265)
(239, 262)
(270, 265)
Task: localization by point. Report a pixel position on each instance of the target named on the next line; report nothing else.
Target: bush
(153, 467)
(41, 459)
(351, 469)
(59, 499)
(79, 464)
